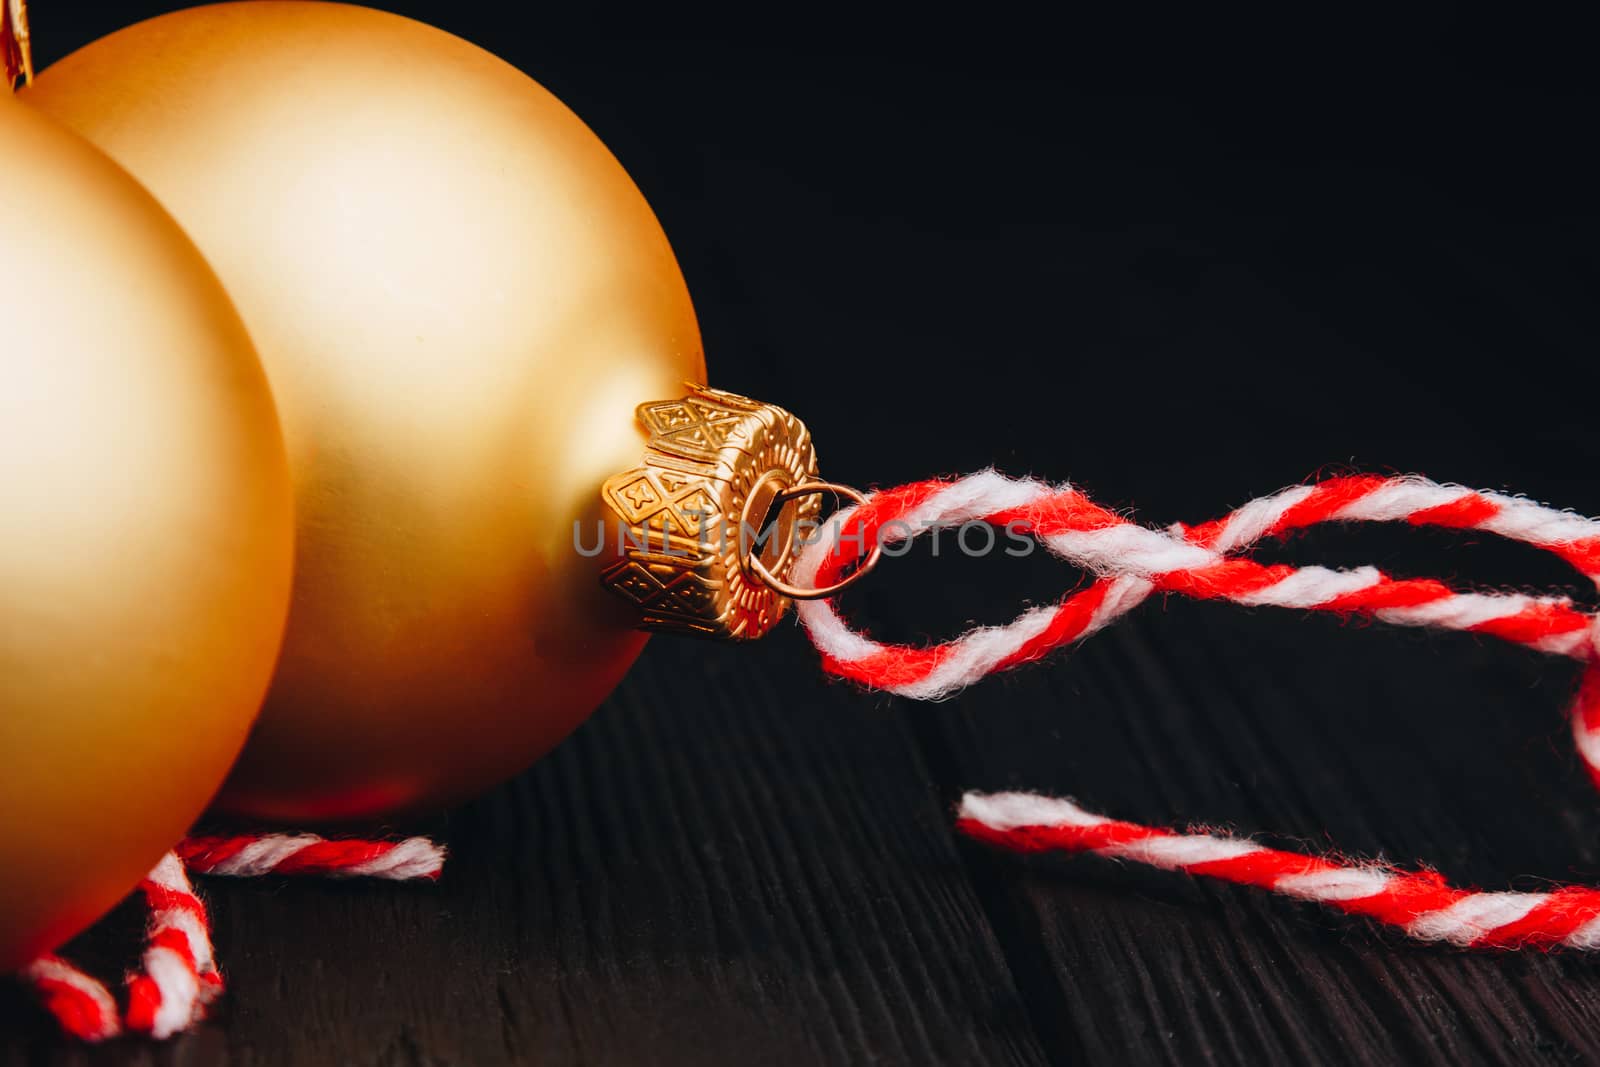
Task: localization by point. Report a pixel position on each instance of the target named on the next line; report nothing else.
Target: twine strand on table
(1418, 903)
(1131, 562)
(178, 977)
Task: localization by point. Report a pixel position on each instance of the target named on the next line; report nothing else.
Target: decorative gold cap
(716, 463)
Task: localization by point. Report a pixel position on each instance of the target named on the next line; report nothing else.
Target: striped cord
(1420, 904)
(1134, 561)
(250, 856)
(1131, 562)
(178, 976)
(82, 1006)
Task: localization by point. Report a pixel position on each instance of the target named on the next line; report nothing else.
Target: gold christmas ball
(146, 533)
(459, 297)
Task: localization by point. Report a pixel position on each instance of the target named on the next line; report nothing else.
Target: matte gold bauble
(145, 533)
(459, 297)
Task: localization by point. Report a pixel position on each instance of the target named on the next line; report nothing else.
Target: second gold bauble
(145, 534)
(459, 297)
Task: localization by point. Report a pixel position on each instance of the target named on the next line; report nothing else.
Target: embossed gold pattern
(712, 457)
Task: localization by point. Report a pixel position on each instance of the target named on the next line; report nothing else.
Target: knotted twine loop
(1131, 562)
(178, 979)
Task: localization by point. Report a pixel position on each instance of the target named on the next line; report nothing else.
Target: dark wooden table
(1181, 269)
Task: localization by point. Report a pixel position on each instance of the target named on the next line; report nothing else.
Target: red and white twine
(82, 1006)
(1132, 561)
(179, 974)
(1419, 903)
(250, 856)
(178, 977)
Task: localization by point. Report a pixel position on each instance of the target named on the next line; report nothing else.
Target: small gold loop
(751, 564)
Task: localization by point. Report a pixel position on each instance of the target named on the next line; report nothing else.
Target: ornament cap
(719, 507)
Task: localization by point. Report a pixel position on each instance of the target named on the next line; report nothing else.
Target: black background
(1179, 262)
